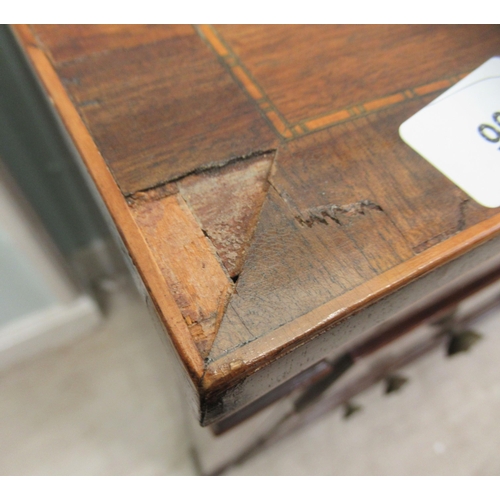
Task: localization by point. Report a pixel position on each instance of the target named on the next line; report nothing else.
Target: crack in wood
(204, 168)
(462, 217)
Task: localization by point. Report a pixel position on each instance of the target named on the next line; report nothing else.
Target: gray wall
(38, 157)
(42, 164)
(22, 290)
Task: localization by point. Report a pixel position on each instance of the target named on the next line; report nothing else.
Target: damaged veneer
(323, 213)
(199, 229)
(257, 273)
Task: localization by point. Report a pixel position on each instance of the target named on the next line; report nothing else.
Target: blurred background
(87, 385)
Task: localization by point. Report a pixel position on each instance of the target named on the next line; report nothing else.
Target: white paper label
(459, 133)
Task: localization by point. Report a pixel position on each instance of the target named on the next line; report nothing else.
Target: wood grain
(118, 210)
(239, 377)
(386, 205)
(188, 264)
(308, 71)
(162, 110)
(348, 223)
(66, 42)
(227, 203)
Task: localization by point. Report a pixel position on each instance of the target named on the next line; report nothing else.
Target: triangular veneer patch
(227, 202)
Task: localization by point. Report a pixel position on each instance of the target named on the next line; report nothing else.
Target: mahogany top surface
(257, 175)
